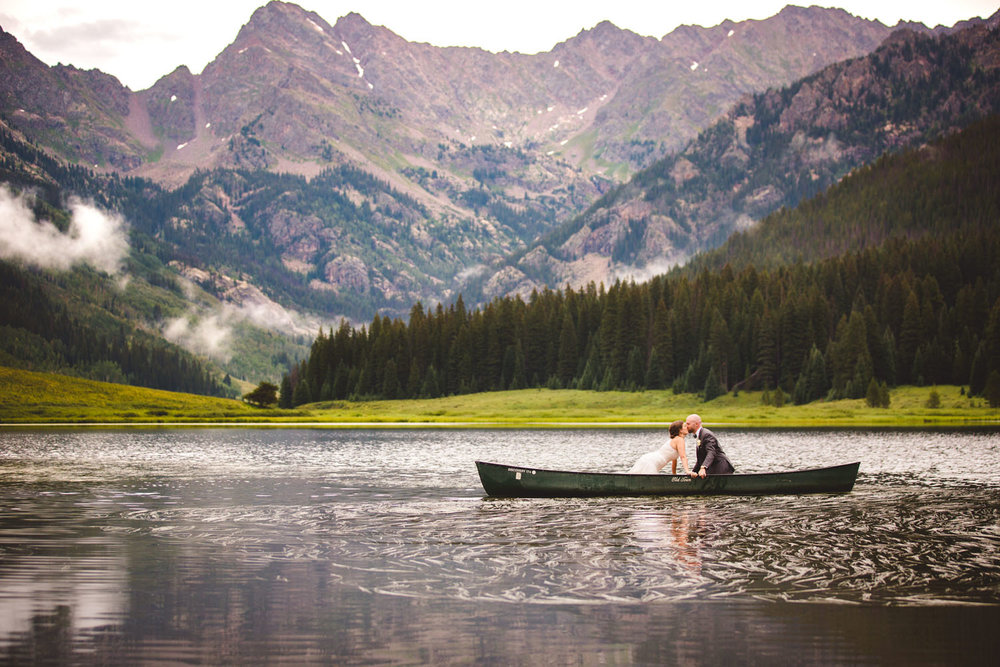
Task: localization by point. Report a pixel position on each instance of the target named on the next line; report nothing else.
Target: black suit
(710, 455)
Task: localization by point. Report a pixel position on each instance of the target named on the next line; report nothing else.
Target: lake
(360, 547)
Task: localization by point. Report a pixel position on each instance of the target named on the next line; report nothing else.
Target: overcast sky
(139, 42)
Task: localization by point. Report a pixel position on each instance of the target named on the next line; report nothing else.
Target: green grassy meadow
(45, 398)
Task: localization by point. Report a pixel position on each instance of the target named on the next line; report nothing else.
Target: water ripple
(912, 545)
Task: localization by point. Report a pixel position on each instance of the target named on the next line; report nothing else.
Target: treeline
(911, 311)
(900, 284)
(38, 333)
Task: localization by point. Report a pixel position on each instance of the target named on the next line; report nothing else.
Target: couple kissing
(710, 459)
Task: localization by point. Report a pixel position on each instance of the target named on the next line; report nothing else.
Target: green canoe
(513, 482)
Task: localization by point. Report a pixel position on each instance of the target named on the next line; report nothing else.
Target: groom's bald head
(693, 423)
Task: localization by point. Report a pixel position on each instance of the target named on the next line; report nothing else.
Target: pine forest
(903, 289)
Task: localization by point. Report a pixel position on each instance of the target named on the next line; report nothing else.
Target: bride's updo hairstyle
(675, 428)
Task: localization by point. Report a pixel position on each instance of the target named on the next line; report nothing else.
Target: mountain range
(312, 93)
(493, 149)
(341, 170)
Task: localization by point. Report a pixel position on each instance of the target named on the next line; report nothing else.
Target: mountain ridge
(466, 92)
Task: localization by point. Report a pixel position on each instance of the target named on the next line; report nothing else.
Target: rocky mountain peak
(283, 23)
(353, 24)
(277, 16)
(614, 45)
(22, 74)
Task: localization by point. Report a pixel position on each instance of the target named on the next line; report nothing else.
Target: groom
(710, 457)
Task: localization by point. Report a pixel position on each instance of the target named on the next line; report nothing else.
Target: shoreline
(510, 425)
(40, 400)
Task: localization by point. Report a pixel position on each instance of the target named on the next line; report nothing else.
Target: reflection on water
(674, 533)
(254, 545)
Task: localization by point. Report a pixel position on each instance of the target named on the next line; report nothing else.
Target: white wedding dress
(651, 462)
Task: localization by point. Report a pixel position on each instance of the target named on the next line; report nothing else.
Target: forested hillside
(916, 301)
(939, 189)
(39, 333)
(81, 320)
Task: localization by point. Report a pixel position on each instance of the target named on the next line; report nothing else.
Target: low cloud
(471, 272)
(95, 237)
(272, 316)
(653, 268)
(208, 335)
(210, 332)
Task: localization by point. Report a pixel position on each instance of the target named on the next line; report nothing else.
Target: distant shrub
(934, 399)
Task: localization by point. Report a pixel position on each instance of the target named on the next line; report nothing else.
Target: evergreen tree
(518, 381)
(654, 371)
(592, 371)
(720, 349)
(366, 379)
(568, 354)
(301, 394)
(872, 397)
(980, 373)
(636, 366)
(390, 381)
(933, 400)
(863, 375)
(778, 398)
(285, 393)
(883, 392)
(341, 382)
(431, 386)
(713, 388)
(849, 357)
(661, 340)
(767, 352)
(910, 336)
(992, 390)
(812, 383)
(610, 381)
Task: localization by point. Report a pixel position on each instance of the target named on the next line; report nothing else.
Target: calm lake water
(305, 546)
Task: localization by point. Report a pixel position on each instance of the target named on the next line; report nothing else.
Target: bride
(651, 462)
